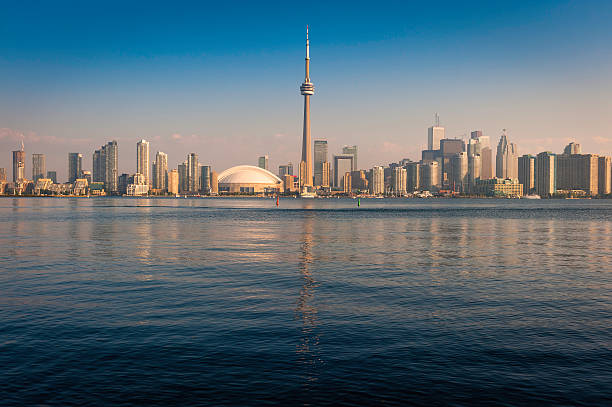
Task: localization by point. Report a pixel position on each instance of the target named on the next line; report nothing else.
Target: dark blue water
(237, 302)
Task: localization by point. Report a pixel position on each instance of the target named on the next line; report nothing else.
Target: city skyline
(541, 93)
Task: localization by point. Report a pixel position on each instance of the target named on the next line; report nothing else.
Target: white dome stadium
(248, 179)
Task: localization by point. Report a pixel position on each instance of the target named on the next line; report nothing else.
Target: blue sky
(221, 79)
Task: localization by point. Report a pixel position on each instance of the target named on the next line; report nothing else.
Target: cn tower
(306, 89)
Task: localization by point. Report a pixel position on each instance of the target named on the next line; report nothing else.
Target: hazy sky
(222, 79)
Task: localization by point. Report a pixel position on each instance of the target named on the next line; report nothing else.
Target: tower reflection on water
(306, 311)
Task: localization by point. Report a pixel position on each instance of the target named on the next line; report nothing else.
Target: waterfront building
(572, 148)
(346, 183)
(359, 181)
(546, 174)
(604, 175)
(527, 173)
(42, 186)
(448, 149)
(412, 176)
(326, 174)
(193, 173)
(183, 180)
(2, 174)
(86, 175)
(263, 162)
(578, 172)
(137, 185)
(307, 90)
(80, 187)
(499, 187)
(506, 159)
(474, 168)
(398, 181)
(160, 171)
(320, 157)
(205, 174)
(39, 167)
(343, 163)
(459, 179)
(377, 184)
(105, 166)
(52, 175)
(247, 179)
(75, 165)
(214, 183)
(429, 175)
(142, 160)
(123, 181)
(173, 182)
(289, 184)
(19, 158)
(352, 150)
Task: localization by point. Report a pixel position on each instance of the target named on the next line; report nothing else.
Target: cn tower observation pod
(248, 179)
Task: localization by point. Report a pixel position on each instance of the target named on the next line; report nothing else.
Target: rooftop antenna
(437, 119)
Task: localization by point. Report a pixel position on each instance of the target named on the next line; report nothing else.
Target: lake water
(238, 302)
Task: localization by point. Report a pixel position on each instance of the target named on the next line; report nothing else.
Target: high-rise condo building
(353, 151)
(486, 160)
(193, 173)
(111, 155)
(506, 159)
(474, 168)
(307, 90)
(448, 149)
(527, 173)
(52, 175)
(263, 162)
(39, 167)
(142, 160)
(578, 172)
(173, 182)
(285, 170)
(183, 181)
(604, 174)
(430, 175)
(377, 186)
(572, 148)
(98, 168)
(214, 182)
(460, 172)
(347, 183)
(398, 181)
(160, 171)
(320, 157)
(205, 178)
(75, 165)
(326, 174)
(19, 157)
(546, 174)
(412, 176)
(2, 174)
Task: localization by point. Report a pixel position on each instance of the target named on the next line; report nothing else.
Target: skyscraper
(605, 172)
(398, 181)
(507, 158)
(434, 134)
(39, 167)
(578, 172)
(307, 89)
(98, 168)
(193, 173)
(19, 157)
(486, 163)
(205, 174)
(572, 148)
(340, 169)
(52, 175)
(183, 181)
(111, 166)
(75, 165)
(320, 156)
(413, 171)
(2, 174)
(173, 182)
(160, 171)
(527, 173)
(377, 186)
(351, 150)
(460, 172)
(546, 174)
(474, 170)
(263, 162)
(142, 160)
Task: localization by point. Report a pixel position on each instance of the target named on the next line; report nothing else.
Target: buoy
(277, 200)
(358, 202)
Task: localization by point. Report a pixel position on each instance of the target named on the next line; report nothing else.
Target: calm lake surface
(237, 302)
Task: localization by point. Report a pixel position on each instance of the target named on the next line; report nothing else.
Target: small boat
(532, 197)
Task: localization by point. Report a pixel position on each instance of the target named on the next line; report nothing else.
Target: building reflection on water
(307, 350)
